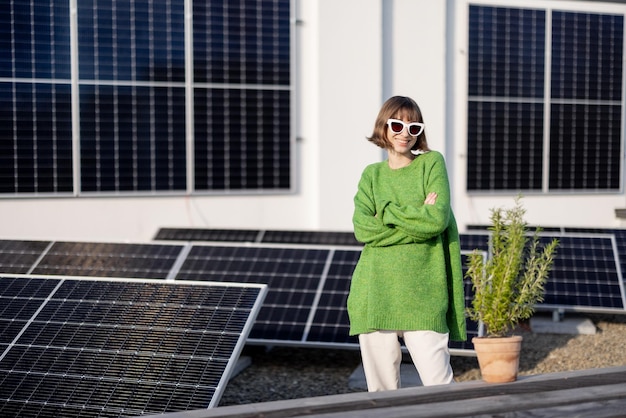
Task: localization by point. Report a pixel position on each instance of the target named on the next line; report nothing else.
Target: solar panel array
(258, 235)
(134, 67)
(309, 279)
(102, 259)
(586, 275)
(308, 289)
(118, 347)
(308, 284)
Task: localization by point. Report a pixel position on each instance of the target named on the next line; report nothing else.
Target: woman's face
(401, 142)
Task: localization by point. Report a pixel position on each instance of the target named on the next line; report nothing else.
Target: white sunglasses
(413, 128)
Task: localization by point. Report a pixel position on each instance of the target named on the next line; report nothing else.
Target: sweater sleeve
(455, 316)
(368, 225)
(423, 222)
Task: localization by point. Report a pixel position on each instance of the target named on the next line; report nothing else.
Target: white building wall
(345, 70)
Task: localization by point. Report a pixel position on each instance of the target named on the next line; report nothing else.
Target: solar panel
(311, 237)
(586, 274)
(99, 259)
(620, 244)
(204, 234)
(330, 323)
(337, 238)
(20, 256)
(309, 283)
(308, 289)
(292, 275)
(113, 347)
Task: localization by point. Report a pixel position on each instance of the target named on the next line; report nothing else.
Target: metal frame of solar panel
(76, 346)
(586, 275)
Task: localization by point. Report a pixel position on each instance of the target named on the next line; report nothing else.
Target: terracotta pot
(498, 358)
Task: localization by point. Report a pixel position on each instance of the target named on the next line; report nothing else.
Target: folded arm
(368, 224)
(425, 221)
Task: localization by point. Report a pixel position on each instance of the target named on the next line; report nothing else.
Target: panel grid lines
(308, 283)
(108, 260)
(132, 107)
(116, 347)
(543, 86)
(586, 273)
(292, 276)
(318, 294)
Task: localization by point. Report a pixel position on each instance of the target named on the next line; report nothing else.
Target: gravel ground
(292, 373)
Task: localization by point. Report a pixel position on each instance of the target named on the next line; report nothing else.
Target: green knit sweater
(409, 274)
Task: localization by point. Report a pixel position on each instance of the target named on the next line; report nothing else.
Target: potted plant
(506, 285)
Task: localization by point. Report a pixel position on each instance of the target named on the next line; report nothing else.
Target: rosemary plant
(509, 283)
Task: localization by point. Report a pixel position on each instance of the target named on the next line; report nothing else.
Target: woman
(408, 282)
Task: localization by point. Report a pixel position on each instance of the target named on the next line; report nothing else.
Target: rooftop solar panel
(307, 289)
(19, 256)
(292, 275)
(311, 237)
(330, 325)
(205, 234)
(113, 347)
(309, 283)
(586, 274)
(99, 259)
(620, 244)
(262, 236)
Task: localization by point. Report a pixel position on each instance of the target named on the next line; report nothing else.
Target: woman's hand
(431, 198)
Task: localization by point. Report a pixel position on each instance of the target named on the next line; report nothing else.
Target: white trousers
(381, 355)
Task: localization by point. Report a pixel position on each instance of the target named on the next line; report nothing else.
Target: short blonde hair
(397, 107)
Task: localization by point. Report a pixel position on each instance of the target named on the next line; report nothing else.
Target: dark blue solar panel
(585, 275)
(116, 348)
(35, 39)
(237, 44)
(20, 256)
(20, 299)
(587, 53)
(332, 238)
(133, 40)
(242, 135)
(95, 259)
(292, 275)
(330, 323)
(478, 240)
(132, 104)
(496, 136)
(506, 52)
(132, 138)
(242, 139)
(311, 237)
(574, 155)
(205, 234)
(506, 82)
(620, 242)
(35, 138)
